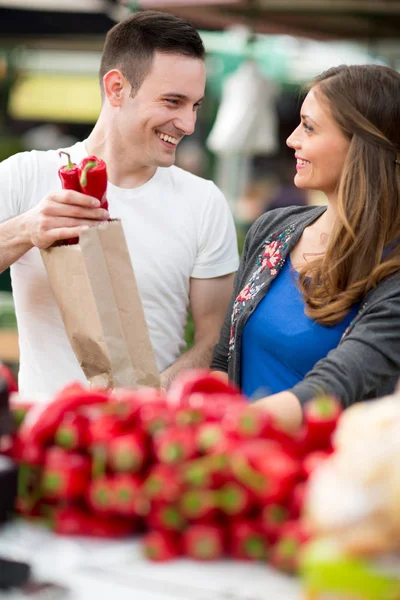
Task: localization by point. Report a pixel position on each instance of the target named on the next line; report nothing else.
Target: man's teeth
(167, 138)
(302, 162)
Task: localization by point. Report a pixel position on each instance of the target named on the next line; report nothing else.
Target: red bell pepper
(72, 520)
(210, 471)
(65, 474)
(285, 554)
(160, 546)
(69, 174)
(163, 484)
(93, 179)
(102, 431)
(273, 516)
(188, 417)
(73, 432)
(200, 383)
(166, 517)
(198, 504)
(128, 452)
(128, 498)
(209, 436)
(174, 445)
(43, 428)
(234, 500)
(203, 541)
(266, 469)
(100, 494)
(155, 416)
(247, 541)
(246, 421)
(321, 416)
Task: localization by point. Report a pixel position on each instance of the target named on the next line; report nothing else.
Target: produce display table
(116, 570)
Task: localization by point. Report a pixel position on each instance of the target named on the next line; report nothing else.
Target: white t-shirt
(177, 226)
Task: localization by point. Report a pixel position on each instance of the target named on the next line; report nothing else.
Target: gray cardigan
(365, 364)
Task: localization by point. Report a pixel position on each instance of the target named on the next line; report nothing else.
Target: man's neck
(123, 171)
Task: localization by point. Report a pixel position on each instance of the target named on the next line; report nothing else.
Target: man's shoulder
(185, 178)
(38, 158)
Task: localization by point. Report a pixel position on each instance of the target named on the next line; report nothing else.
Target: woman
(316, 305)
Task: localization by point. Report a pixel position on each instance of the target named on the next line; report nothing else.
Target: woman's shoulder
(274, 221)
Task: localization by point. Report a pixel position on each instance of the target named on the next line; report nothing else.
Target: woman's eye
(172, 101)
(307, 128)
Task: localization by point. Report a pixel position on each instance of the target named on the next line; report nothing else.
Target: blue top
(280, 344)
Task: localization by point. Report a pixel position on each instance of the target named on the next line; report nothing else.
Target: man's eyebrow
(180, 96)
(302, 116)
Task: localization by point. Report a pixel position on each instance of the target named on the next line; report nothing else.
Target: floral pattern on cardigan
(272, 258)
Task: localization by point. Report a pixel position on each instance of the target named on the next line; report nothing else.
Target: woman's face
(320, 147)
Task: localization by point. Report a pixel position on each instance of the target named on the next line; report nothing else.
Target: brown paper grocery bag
(95, 288)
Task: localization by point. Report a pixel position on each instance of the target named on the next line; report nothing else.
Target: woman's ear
(114, 83)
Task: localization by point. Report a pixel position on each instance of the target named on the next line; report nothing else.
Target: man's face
(164, 109)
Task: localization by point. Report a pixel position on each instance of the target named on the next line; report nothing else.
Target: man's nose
(186, 122)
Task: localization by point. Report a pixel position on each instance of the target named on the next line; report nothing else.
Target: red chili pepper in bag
(160, 546)
(43, 428)
(321, 415)
(203, 541)
(69, 175)
(93, 179)
(128, 453)
(247, 541)
(72, 520)
(73, 432)
(65, 474)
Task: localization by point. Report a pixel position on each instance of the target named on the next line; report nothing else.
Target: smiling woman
(316, 306)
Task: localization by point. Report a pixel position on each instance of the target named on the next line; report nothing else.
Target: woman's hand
(286, 409)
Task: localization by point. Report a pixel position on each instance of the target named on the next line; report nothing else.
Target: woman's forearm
(285, 407)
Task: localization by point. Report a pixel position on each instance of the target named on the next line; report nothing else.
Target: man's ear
(114, 83)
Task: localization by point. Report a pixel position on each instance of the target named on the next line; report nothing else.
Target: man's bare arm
(209, 299)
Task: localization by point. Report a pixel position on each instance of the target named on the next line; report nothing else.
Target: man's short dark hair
(130, 45)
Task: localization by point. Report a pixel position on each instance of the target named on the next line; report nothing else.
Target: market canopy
(320, 19)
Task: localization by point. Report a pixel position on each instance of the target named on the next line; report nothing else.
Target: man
(179, 229)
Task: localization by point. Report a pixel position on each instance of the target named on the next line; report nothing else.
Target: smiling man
(179, 228)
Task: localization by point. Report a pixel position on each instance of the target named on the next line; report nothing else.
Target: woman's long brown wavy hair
(364, 246)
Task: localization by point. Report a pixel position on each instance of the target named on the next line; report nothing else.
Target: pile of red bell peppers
(198, 471)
